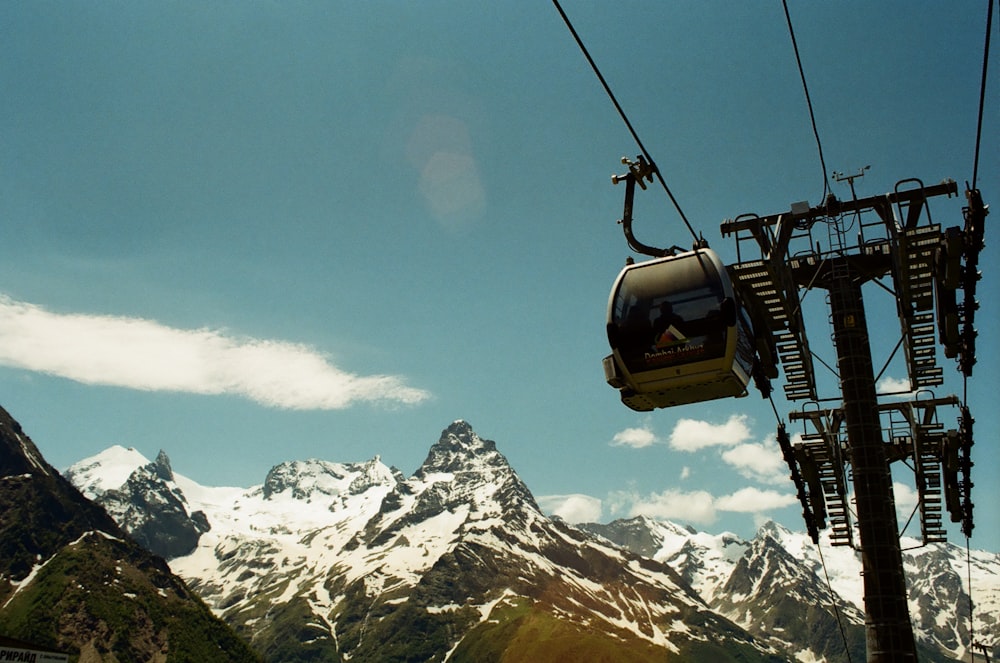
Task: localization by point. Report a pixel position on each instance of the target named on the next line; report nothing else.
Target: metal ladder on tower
(915, 291)
(927, 446)
(914, 432)
(820, 461)
(823, 470)
(835, 484)
(781, 311)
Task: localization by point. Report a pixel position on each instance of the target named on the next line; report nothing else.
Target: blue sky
(253, 232)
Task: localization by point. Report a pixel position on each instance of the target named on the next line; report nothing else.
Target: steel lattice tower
(927, 267)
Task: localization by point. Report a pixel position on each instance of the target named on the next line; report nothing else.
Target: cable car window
(669, 313)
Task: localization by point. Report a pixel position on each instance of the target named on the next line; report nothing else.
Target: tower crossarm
(912, 200)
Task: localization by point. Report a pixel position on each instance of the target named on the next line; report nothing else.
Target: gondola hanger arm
(639, 172)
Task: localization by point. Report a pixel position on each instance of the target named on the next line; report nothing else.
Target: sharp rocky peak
(153, 509)
(774, 531)
(161, 466)
(144, 477)
(463, 473)
(459, 449)
(467, 463)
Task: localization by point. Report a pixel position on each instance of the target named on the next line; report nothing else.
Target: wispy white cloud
(688, 435)
(694, 435)
(143, 354)
(575, 508)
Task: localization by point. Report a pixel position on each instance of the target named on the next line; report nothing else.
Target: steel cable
(624, 117)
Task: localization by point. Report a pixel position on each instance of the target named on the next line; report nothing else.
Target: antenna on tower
(840, 177)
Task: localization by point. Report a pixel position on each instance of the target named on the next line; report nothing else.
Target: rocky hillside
(71, 580)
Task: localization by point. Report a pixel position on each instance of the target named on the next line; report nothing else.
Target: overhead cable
(805, 88)
(982, 90)
(624, 117)
(965, 379)
(833, 601)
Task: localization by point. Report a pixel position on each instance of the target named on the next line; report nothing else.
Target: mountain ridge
(461, 551)
(936, 576)
(425, 567)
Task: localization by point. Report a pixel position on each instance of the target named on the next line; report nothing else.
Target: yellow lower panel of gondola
(678, 385)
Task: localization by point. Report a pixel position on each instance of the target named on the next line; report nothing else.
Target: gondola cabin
(678, 334)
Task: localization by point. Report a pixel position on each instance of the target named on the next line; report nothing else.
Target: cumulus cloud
(906, 498)
(143, 354)
(698, 506)
(897, 387)
(637, 438)
(760, 461)
(754, 500)
(694, 435)
(575, 508)
(689, 506)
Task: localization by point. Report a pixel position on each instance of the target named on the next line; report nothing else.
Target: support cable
(805, 88)
(982, 90)
(774, 408)
(968, 572)
(828, 367)
(909, 520)
(889, 360)
(967, 532)
(819, 549)
(836, 608)
(624, 117)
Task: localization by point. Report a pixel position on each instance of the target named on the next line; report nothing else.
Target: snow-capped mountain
(149, 500)
(457, 562)
(333, 561)
(704, 560)
(72, 580)
(779, 580)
